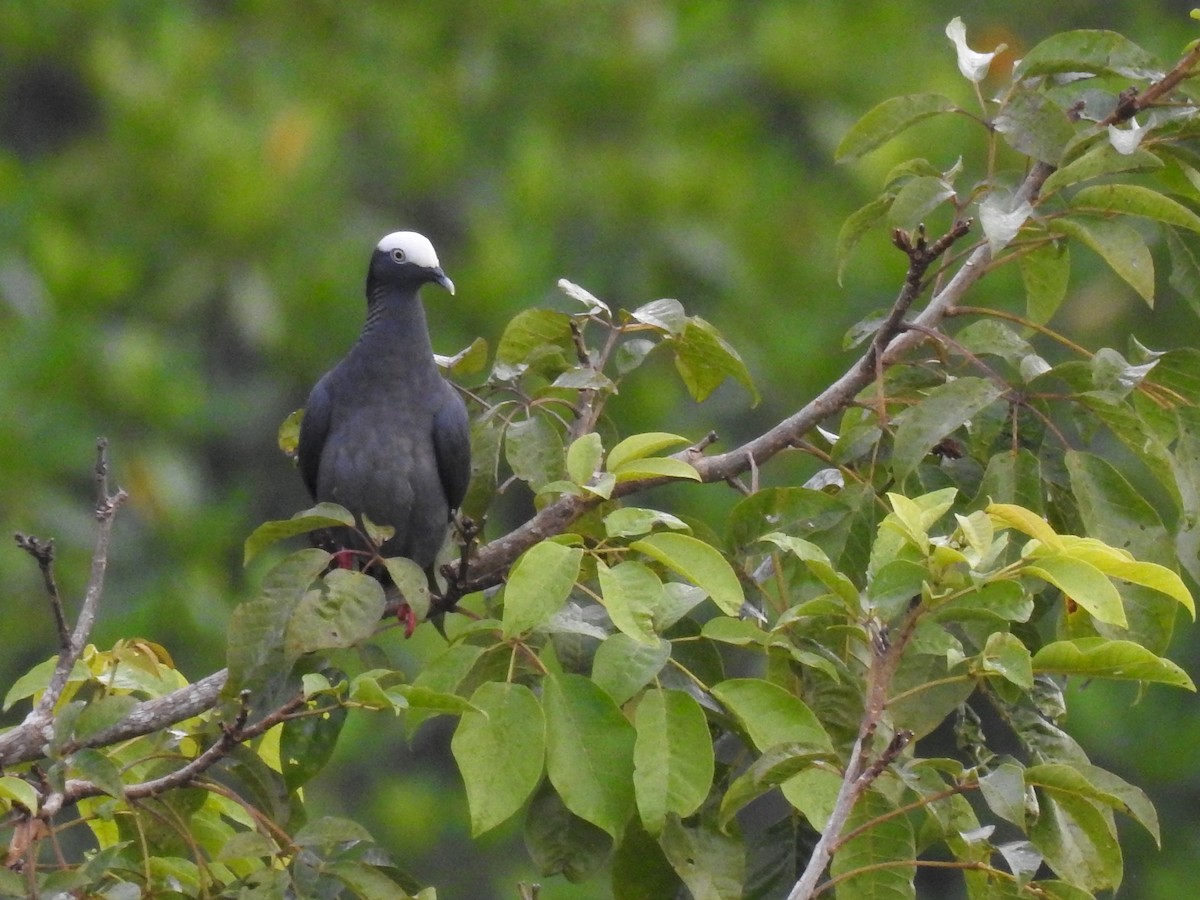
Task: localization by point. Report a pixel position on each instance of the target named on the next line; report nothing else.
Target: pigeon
(383, 433)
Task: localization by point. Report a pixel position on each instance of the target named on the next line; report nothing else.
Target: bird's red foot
(345, 559)
(408, 618)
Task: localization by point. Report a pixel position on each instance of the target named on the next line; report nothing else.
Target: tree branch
(28, 740)
(492, 561)
(231, 735)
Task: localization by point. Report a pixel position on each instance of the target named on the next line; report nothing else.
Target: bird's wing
(314, 428)
(452, 446)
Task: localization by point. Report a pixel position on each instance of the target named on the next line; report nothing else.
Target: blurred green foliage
(191, 192)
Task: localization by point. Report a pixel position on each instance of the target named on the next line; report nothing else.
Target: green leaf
(887, 120)
(1005, 655)
(632, 593)
(666, 315)
(560, 842)
(699, 563)
(1003, 789)
(894, 586)
(538, 586)
(368, 690)
(420, 697)
(1045, 273)
(818, 563)
(288, 437)
(770, 715)
(365, 880)
(656, 467)
(1101, 159)
(323, 515)
(775, 767)
(624, 665)
(631, 354)
(711, 864)
(631, 521)
(1124, 797)
(861, 863)
(594, 305)
(943, 411)
(1185, 271)
(1004, 601)
(38, 678)
(103, 712)
(704, 360)
(1078, 841)
(94, 766)
(583, 458)
(412, 583)
(500, 751)
(672, 757)
(534, 337)
(589, 751)
(18, 790)
(1098, 657)
(640, 871)
(917, 199)
(329, 831)
(534, 451)
(307, 742)
(1034, 125)
(1083, 583)
(585, 378)
(1119, 245)
(255, 653)
(639, 446)
(1096, 52)
(467, 361)
(857, 224)
(1135, 200)
(343, 609)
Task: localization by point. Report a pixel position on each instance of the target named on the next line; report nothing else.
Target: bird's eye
(398, 255)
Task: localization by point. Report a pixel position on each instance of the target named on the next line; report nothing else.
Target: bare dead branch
(43, 552)
(106, 508)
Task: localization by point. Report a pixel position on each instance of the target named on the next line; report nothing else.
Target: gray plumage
(383, 433)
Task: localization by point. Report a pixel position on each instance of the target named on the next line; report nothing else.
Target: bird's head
(406, 259)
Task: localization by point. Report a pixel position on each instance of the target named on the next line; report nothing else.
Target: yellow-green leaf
(656, 467)
(1097, 657)
(639, 446)
(699, 563)
(1083, 583)
(1025, 521)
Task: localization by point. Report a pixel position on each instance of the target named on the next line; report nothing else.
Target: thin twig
(43, 552)
(106, 508)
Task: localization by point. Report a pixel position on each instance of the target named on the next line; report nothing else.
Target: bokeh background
(189, 193)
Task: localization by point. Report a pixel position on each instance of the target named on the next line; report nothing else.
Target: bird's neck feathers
(396, 326)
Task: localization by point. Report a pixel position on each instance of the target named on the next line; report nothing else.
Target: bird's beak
(441, 278)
